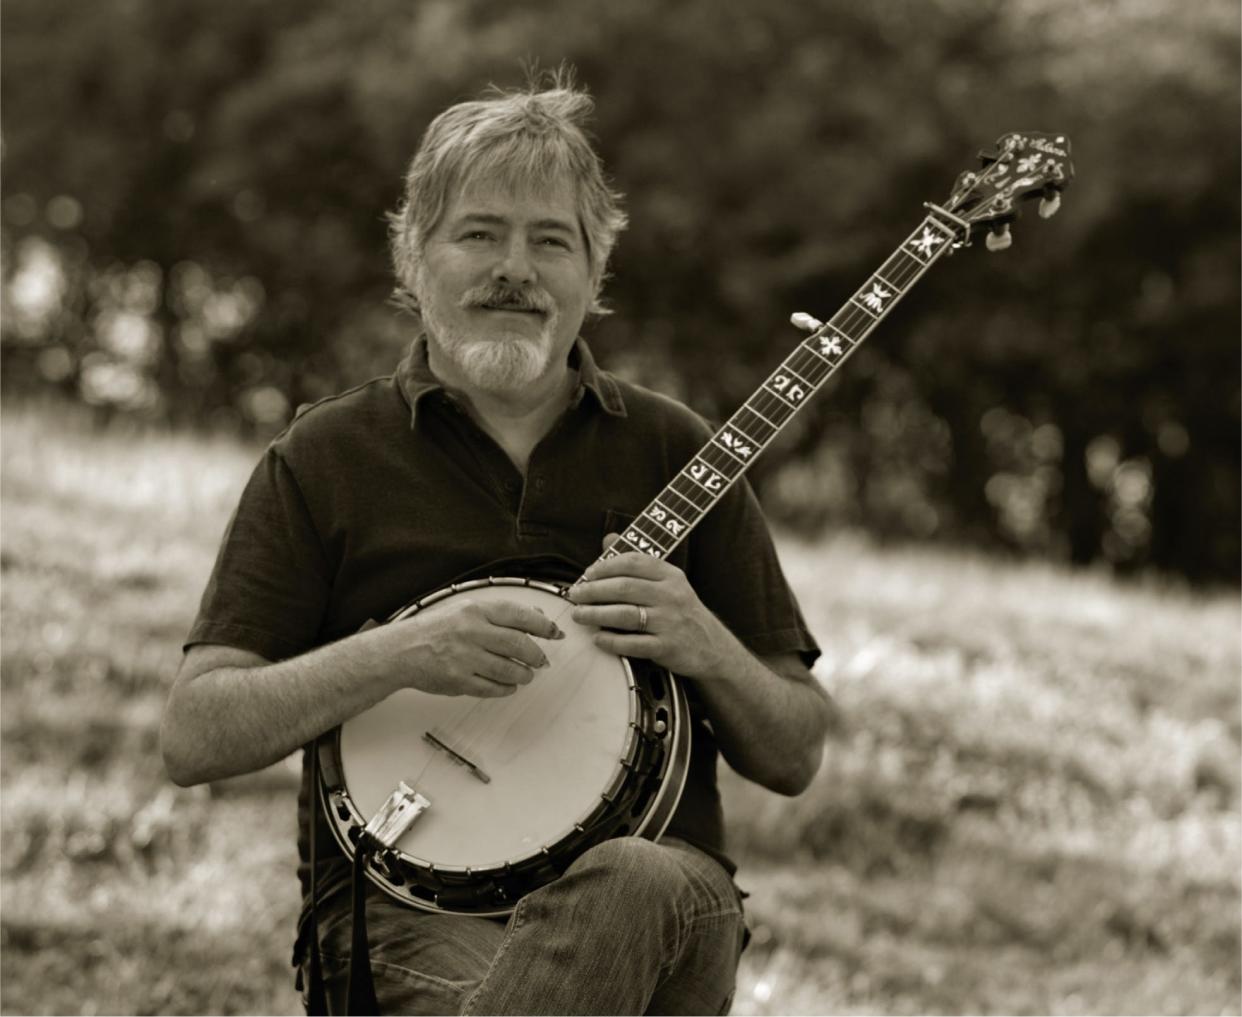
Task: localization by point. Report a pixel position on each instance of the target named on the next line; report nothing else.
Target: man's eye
(555, 242)
(477, 235)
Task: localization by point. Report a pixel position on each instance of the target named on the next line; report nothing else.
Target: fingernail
(559, 633)
(546, 662)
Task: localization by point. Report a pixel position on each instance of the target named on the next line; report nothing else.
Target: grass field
(1034, 807)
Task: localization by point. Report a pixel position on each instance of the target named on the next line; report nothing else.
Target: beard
(506, 358)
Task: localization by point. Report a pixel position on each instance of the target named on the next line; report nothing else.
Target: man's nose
(515, 266)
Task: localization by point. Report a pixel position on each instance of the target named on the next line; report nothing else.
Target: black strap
(361, 992)
(316, 994)
(361, 988)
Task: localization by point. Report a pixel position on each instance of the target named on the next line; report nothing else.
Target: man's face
(504, 283)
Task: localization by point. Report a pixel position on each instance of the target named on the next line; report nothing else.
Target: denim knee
(633, 862)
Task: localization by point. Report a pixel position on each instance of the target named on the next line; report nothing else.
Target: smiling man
(498, 439)
(502, 285)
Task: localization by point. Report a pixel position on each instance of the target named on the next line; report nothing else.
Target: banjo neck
(703, 481)
(1025, 165)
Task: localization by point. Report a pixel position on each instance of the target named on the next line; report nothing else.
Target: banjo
(464, 805)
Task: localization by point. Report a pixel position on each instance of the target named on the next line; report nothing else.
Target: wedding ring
(642, 619)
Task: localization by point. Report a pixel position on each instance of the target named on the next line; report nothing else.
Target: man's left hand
(679, 633)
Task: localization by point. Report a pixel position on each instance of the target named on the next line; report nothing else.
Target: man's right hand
(465, 648)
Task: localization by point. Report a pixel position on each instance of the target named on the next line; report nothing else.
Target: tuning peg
(999, 239)
(1049, 204)
(804, 321)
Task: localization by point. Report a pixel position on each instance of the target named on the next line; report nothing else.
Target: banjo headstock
(1025, 165)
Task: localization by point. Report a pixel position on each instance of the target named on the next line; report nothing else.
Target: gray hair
(521, 138)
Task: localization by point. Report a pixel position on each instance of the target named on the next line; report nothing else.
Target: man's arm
(231, 711)
(770, 717)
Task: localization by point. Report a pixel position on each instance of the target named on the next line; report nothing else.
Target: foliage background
(193, 202)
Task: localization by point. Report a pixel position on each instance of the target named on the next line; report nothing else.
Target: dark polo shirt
(387, 492)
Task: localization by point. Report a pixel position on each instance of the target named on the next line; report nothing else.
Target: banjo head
(512, 782)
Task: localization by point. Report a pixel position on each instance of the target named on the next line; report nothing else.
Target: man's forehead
(496, 197)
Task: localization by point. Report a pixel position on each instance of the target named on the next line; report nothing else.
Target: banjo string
(470, 739)
(551, 698)
(483, 722)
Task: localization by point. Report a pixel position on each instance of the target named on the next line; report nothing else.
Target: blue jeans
(632, 927)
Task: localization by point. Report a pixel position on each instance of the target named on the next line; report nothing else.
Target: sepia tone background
(1013, 518)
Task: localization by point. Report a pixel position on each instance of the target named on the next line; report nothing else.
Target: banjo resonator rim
(638, 799)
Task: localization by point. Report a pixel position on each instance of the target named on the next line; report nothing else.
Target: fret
(897, 291)
(753, 424)
(661, 526)
(691, 492)
(740, 444)
(927, 242)
(715, 440)
(696, 488)
(775, 427)
(638, 537)
(711, 481)
(681, 505)
(903, 265)
(788, 368)
(828, 344)
(859, 303)
(809, 366)
(832, 343)
(809, 346)
(616, 548)
(786, 389)
(778, 396)
(878, 299)
(720, 459)
(658, 506)
(675, 528)
(853, 325)
(774, 410)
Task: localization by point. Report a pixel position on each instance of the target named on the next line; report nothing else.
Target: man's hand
(466, 649)
(679, 634)
(769, 715)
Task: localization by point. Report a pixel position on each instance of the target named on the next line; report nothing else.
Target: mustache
(494, 295)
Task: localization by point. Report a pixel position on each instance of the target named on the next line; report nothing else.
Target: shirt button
(539, 483)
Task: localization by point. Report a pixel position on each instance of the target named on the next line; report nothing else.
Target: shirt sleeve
(270, 585)
(734, 568)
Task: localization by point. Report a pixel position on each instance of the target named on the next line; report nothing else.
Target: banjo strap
(360, 992)
(316, 998)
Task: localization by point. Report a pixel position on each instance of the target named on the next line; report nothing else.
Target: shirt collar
(415, 380)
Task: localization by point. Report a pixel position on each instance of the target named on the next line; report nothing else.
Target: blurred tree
(193, 205)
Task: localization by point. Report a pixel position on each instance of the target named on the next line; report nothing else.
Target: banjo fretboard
(692, 493)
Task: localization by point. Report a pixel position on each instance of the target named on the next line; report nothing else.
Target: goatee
(505, 359)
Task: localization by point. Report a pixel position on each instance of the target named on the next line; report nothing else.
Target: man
(498, 438)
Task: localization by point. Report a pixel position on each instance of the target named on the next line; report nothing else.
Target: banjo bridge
(397, 814)
(457, 757)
